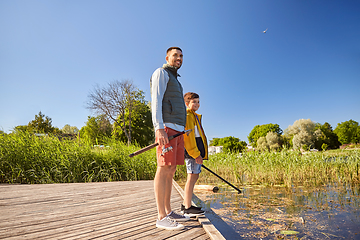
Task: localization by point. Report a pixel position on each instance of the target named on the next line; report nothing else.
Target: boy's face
(194, 104)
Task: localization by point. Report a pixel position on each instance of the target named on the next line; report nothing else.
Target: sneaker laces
(171, 220)
(175, 215)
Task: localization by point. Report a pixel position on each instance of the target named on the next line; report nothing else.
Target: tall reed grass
(287, 168)
(25, 158)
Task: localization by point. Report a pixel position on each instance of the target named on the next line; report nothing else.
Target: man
(169, 117)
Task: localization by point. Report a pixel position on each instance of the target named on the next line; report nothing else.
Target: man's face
(174, 58)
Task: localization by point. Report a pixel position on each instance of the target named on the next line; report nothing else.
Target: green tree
(70, 129)
(116, 102)
(261, 131)
(230, 144)
(141, 124)
(272, 141)
(42, 124)
(96, 130)
(262, 144)
(214, 142)
(348, 132)
(327, 137)
(302, 133)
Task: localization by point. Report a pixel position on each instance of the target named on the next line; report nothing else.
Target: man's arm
(159, 81)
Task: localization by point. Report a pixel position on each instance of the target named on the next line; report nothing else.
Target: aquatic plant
(285, 168)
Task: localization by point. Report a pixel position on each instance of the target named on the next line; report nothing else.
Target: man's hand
(199, 160)
(162, 137)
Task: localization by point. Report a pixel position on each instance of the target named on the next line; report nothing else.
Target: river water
(327, 212)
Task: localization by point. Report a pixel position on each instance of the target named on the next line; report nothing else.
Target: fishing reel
(166, 149)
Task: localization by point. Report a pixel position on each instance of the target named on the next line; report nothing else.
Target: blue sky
(307, 65)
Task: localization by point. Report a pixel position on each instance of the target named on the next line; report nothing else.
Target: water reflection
(328, 212)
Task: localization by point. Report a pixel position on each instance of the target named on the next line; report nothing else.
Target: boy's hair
(171, 48)
(189, 96)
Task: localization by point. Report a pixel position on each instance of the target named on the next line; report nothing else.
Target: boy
(196, 150)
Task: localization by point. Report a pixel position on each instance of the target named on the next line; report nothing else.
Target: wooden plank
(111, 210)
(209, 228)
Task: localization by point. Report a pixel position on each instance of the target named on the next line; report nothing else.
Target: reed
(25, 158)
(286, 168)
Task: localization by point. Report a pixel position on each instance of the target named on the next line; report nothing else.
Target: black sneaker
(193, 212)
(183, 208)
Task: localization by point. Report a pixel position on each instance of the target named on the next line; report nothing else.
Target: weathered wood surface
(109, 210)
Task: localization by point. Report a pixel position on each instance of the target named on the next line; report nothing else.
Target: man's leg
(168, 188)
(161, 189)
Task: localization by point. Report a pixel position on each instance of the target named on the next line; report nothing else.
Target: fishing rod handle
(144, 149)
(152, 146)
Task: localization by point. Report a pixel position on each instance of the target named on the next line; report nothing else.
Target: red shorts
(176, 155)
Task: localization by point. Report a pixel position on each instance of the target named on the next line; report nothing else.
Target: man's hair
(171, 48)
(189, 96)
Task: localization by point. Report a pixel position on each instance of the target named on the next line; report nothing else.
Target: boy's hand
(199, 160)
(162, 137)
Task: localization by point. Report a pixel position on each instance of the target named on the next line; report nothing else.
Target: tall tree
(96, 130)
(272, 141)
(116, 102)
(302, 133)
(261, 131)
(348, 132)
(230, 144)
(327, 136)
(42, 124)
(262, 144)
(70, 129)
(214, 142)
(141, 124)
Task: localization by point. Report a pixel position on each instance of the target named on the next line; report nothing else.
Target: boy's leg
(189, 188)
(187, 209)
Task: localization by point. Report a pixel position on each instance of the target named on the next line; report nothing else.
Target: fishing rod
(239, 191)
(155, 144)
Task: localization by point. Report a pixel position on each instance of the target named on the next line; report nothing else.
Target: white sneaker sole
(186, 218)
(193, 214)
(179, 227)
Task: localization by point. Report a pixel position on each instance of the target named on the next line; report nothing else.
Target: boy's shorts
(192, 166)
(174, 156)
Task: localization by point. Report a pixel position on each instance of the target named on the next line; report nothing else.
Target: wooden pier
(107, 210)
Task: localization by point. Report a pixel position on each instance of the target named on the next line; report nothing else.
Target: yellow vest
(193, 119)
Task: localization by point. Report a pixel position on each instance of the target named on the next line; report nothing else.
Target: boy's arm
(189, 141)
(199, 160)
